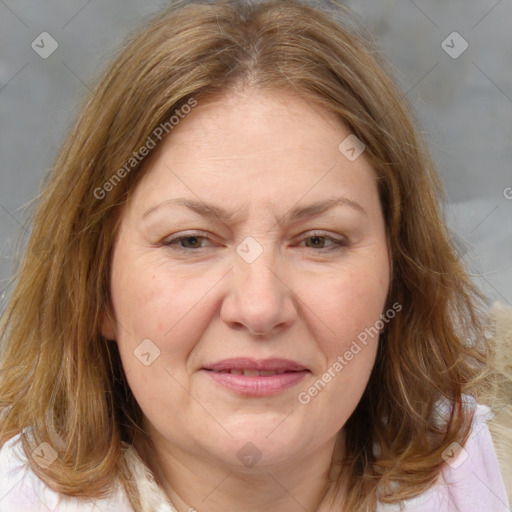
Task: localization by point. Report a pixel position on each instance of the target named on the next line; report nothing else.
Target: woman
(310, 342)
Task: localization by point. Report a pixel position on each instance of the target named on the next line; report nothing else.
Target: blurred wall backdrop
(452, 58)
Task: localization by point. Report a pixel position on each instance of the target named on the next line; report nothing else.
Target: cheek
(348, 303)
(348, 306)
(150, 299)
(168, 306)
(159, 316)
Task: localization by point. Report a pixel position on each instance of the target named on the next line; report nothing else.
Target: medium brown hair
(62, 379)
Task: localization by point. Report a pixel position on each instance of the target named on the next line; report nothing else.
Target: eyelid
(339, 242)
(324, 234)
(180, 236)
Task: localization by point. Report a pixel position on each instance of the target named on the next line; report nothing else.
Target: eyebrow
(298, 213)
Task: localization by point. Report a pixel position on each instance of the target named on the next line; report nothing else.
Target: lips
(250, 377)
(253, 373)
(252, 367)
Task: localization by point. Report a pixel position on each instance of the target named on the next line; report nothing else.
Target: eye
(318, 242)
(185, 242)
(193, 241)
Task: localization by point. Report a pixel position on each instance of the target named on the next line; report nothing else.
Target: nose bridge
(255, 267)
(259, 298)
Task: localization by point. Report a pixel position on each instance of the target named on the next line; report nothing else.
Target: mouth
(252, 377)
(244, 364)
(254, 373)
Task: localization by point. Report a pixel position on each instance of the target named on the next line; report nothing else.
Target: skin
(256, 154)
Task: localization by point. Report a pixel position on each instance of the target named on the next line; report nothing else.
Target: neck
(194, 484)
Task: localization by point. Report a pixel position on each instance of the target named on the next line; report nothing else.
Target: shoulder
(470, 480)
(21, 489)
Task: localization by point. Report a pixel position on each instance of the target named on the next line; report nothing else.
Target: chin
(252, 450)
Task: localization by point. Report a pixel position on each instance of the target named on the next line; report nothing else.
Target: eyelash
(338, 244)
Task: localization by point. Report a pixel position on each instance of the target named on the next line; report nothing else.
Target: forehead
(237, 124)
(267, 146)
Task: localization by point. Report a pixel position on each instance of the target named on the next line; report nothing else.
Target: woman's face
(223, 269)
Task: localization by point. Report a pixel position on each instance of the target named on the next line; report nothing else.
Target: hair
(64, 381)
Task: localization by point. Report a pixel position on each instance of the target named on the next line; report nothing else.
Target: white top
(471, 481)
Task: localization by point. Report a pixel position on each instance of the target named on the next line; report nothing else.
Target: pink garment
(471, 481)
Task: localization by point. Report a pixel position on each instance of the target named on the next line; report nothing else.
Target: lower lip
(261, 385)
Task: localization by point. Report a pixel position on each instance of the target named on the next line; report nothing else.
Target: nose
(260, 297)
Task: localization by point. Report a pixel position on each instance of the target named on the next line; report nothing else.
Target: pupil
(316, 239)
(189, 238)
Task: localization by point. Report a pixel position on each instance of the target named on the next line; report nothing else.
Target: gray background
(464, 105)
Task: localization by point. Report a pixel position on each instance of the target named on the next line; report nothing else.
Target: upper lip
(245, 363)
